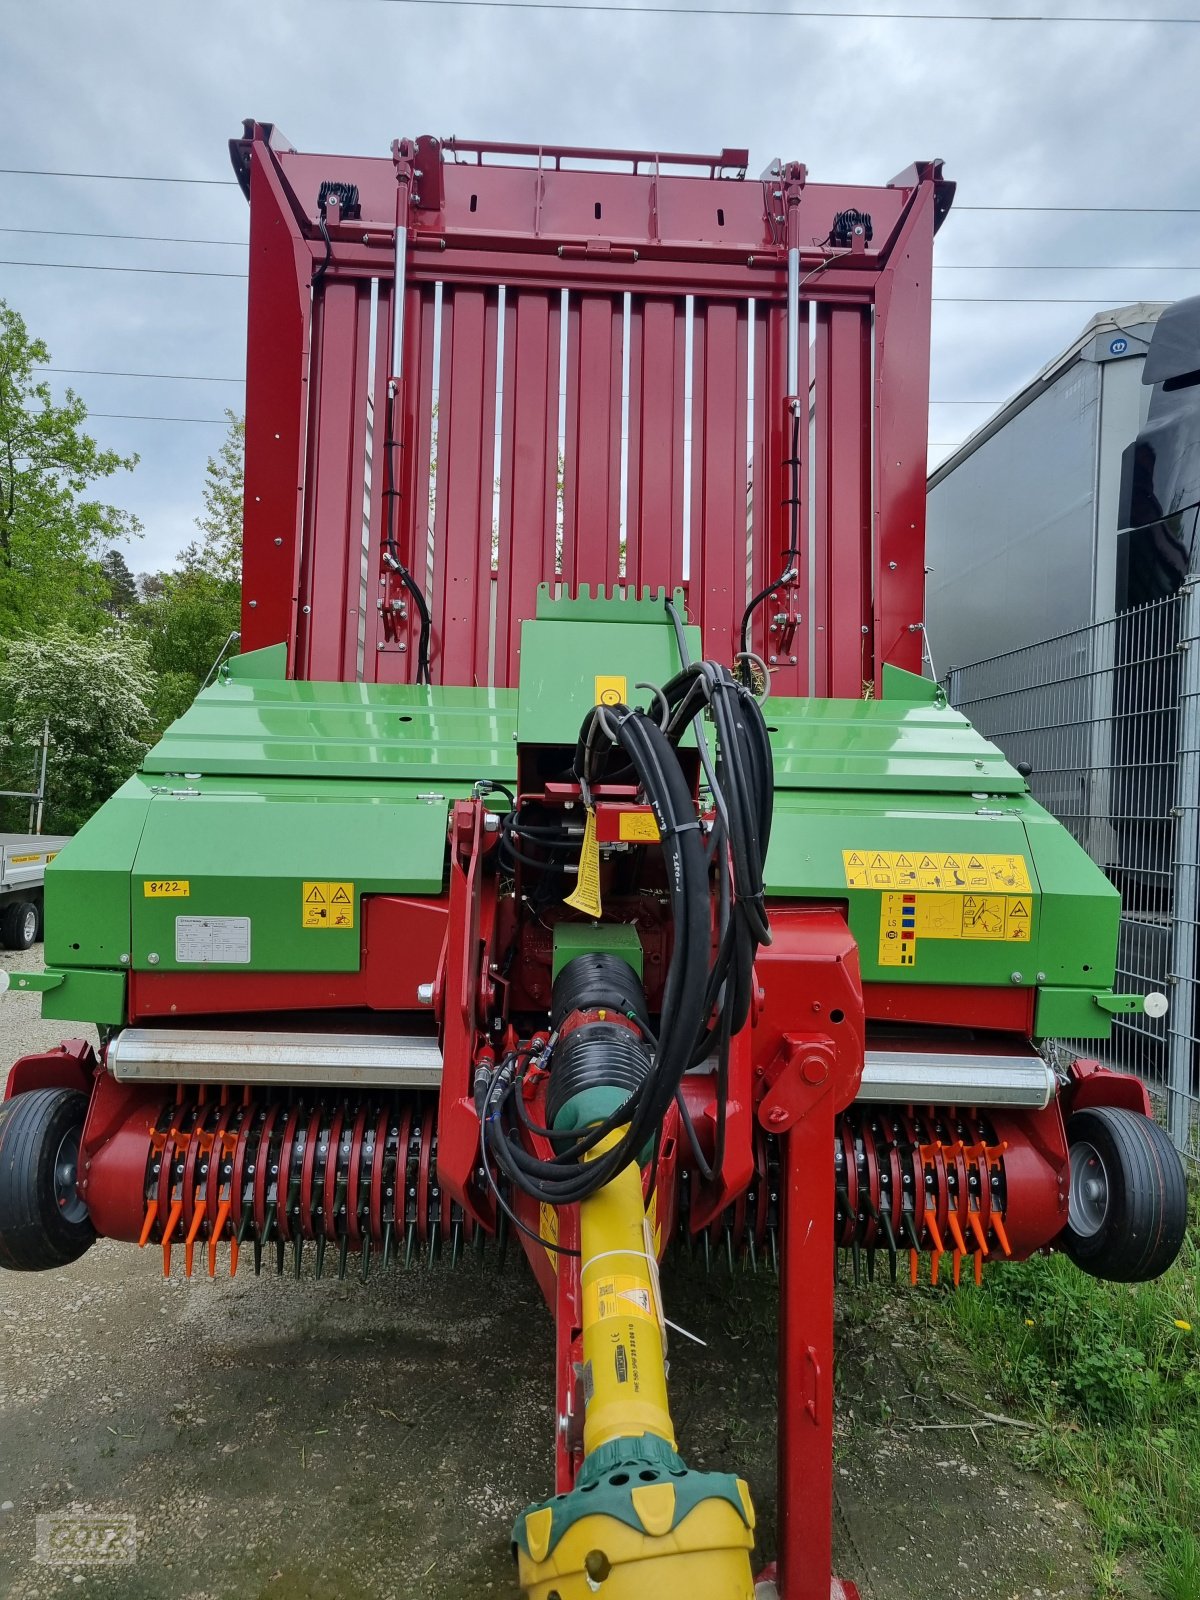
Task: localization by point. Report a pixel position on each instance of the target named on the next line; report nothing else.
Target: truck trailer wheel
(19, 925)
(1128, 1202)
(43, 1222)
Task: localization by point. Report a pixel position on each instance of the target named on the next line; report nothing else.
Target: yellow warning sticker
(585, 896)
(935, 870)
(327, 905)
(37, 856)
(611, 689)
(617, 1295)
(548, 1228)
(637, 826)
(905, 919)
(166, 888)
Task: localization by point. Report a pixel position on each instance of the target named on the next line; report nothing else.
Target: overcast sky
(1046, 113)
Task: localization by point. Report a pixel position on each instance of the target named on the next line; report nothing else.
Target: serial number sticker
(327, 905)
(617, 1295)
(167, 888)
(906, 918)
(935, 870)
(637, 826)
(212, 941)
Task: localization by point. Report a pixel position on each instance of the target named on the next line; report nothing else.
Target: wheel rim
(66, 1171)
(1088, 1204)
(29, 925)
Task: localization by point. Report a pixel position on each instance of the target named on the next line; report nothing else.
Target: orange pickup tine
(190, 1242)
(977, 1230)
(222, 1214)
(960, 1243)
(151, 1213)
(998, 1224)
(173, 1217)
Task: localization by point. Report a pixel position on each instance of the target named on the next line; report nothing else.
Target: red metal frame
(654, 266)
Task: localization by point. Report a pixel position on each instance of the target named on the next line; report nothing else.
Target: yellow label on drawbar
(327, 905)
(611, 689)
(548, 1228)
(935, 870)
(585, 896)
(617, 1295)
(638, 826)
(904, 919)
(166, 888)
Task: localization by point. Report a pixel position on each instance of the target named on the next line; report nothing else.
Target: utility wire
(1106, 210)
(112, 372)
(128, 416)
(764, 11)
(122, 177)
(939, 266)
(945, 299)
(140, 238)
(89, 266)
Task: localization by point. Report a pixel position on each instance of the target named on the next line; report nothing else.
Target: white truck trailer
(24, 858)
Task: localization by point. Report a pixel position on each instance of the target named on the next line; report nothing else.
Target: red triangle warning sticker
(339, 896)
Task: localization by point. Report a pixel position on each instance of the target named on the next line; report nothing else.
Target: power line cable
(112, 372)
(129, 416)
(939, 266)
(91, 266)
(944, 299)
(765, 11)
(230, 183)
(140, 238)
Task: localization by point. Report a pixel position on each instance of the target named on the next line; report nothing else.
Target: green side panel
(246, 850)
(901, 685)
(626, 606)
(1069, 1014)
(914, 747)
(1074, 909)
(574, 642)
(87, 884)
(276, 727)
(269, 662)
(85, 996)
(1081, 914)
(573, 939)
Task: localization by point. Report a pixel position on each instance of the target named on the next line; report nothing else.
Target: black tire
(43, 1223)
(1128, 1199)
(19, 925)
(40, 935)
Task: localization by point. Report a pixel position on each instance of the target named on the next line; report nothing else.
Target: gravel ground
(294, 1440)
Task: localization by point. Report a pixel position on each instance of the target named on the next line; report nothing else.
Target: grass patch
(1111, 1373)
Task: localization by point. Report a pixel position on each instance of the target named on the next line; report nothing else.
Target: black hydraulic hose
(791, 556)
(391, 549)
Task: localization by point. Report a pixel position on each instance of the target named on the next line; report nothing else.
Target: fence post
(1185, 903)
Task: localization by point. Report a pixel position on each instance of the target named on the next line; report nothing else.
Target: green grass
(1111, 1375)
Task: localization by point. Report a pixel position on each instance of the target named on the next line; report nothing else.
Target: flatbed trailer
(24, 858)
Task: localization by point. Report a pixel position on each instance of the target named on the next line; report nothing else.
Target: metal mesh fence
(1107, 719)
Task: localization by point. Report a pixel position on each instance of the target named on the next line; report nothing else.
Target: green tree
(95, 693)
(189, 615)
(122, 589)
(218, 551)
(52, 534)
